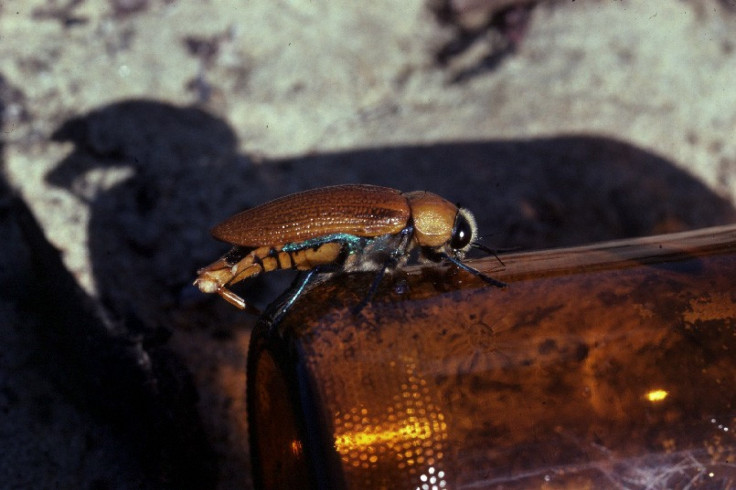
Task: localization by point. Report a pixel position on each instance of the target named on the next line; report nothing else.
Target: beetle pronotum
(340, 228)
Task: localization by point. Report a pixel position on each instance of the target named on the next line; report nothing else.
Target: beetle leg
(389, 264)
(232, 298)
(249, 271)
(215, 277)
(300, 284)
(214, 281)
(475, 272)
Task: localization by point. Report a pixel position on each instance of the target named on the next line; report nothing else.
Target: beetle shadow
(181, 172)
(68, 373)
(145, 237)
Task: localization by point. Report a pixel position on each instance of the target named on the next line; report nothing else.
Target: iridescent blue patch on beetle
(353, 242)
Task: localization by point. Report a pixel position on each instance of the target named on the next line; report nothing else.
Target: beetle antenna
(489, 251)
(475, 272)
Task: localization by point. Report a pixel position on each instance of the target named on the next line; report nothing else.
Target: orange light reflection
(656, 395)
(371, 436)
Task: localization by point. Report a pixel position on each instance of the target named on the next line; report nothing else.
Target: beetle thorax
(433, 218)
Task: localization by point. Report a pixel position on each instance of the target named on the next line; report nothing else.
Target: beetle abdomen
(360, 210)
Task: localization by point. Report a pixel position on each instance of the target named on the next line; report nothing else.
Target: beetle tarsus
(475, 272)
(232, 298)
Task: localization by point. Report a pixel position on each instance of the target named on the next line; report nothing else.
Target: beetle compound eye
(462, 233)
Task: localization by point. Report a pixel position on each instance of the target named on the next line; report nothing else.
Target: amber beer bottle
(606, 366)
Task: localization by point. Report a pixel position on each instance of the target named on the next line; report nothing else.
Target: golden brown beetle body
(346, 227)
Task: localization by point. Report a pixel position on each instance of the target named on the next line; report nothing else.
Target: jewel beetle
(340, 228)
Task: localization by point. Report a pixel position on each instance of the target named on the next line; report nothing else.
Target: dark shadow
(119, 375)
(148, 231)
(180, 172)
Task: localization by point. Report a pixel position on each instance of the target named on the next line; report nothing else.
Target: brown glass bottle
(609, 366)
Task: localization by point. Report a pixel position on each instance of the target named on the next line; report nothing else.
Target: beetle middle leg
(386, 253)
(238, 264)
(389, 265)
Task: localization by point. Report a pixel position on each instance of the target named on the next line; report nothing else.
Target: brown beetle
(340, 228)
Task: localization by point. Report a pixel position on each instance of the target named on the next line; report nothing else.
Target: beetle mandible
(340, 228)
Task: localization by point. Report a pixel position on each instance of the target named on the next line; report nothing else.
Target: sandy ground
(129, 127)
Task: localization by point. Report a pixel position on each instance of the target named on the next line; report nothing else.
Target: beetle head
(440, 225)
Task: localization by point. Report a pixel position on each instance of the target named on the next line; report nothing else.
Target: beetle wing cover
(361, 210)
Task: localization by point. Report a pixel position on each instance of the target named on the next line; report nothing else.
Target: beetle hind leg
(214, 281)
(300, 284)
(229, 269)
(232, 298)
